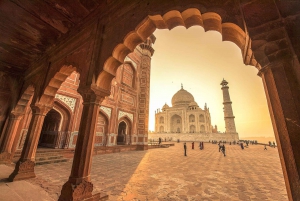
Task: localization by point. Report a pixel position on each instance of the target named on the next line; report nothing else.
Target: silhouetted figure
(177, 140)
(184, 146)
(192, 145)
(223, 149)
(220, 146)
(273, 144)
(265, 147)
(159, 140)
(242, 146)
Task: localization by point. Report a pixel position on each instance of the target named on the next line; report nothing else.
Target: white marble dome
(182, 98)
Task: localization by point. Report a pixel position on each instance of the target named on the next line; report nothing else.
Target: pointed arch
(24, 100)
(124, 130)
(54, 84)
(101, 129)
(210, 21)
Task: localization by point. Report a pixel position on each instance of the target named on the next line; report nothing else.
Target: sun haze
(200, 60)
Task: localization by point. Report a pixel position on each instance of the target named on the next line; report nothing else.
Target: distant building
(185, 120)
(185, 116)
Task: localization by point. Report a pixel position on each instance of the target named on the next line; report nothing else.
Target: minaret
(228, 113)
(146, 51)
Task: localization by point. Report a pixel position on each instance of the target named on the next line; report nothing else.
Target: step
(48, 158)
(51, 161)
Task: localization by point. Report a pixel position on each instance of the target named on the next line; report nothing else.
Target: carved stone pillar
(282, 89)
(25, 166)
(112, 127)
(79, 185)
(9, 137)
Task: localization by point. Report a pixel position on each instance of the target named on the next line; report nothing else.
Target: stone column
(79, 185)
(144, 93)
(24, 168)
(282, 90)
(9, 137)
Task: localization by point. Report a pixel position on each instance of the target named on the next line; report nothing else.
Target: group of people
(201, 145)
(270, 144)
(222, 145)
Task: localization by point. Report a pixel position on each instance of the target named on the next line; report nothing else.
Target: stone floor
(165, 174)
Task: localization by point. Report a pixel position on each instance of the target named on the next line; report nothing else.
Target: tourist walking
(242, 146)
(184, 146)
(192, 145)
(220, 146)
(223, 150)
(201, 145)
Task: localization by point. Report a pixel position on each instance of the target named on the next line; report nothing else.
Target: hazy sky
(200, 60)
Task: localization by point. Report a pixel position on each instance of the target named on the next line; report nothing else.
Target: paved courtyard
(165, 174)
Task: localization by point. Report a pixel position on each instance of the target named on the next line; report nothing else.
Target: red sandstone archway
(191, 17)
(124, 131)
(11, 134)
(266, 54)
(54, 84)
(24, 100)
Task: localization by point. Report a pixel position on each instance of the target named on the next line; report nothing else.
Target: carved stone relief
(106, 110)
(67, 100)
(122, 114)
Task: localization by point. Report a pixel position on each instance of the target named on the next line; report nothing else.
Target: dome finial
(181, 86)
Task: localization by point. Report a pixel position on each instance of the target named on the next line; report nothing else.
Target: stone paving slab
(20, 190)
(165, 174)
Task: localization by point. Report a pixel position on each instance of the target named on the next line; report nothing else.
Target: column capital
(15, 115)
(272, 65)
(92, 94)
(40, 109)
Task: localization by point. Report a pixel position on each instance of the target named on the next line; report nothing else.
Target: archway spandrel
(259, 12)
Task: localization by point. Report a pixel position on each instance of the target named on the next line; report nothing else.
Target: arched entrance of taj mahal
(97, 47)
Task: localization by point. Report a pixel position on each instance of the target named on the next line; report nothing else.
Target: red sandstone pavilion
(84, 66)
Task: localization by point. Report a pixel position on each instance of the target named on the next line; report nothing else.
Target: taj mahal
(186, 121)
